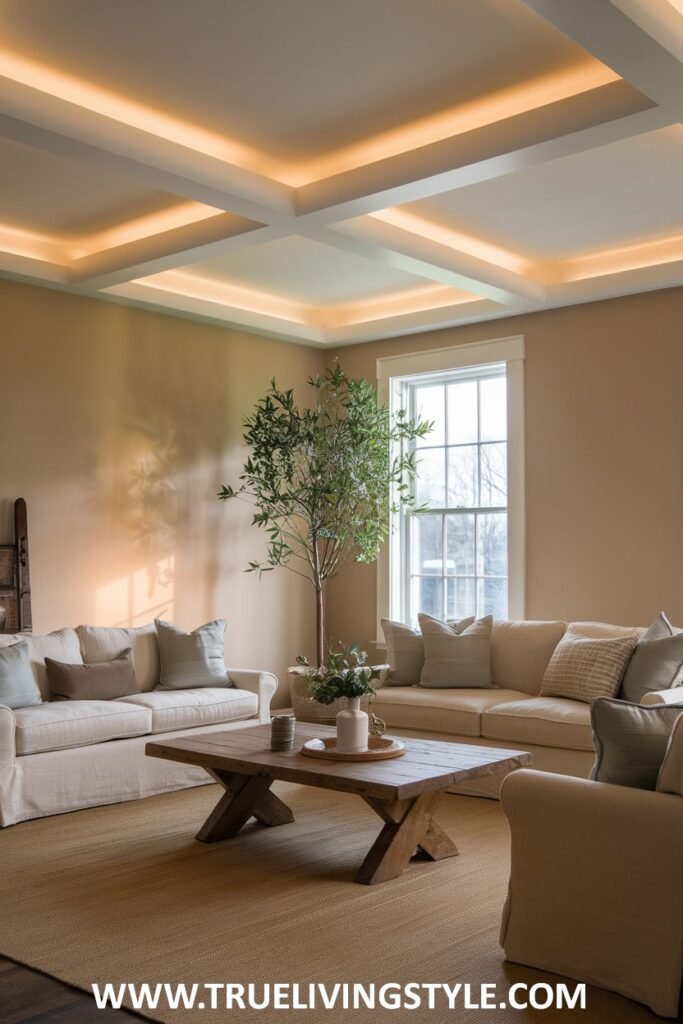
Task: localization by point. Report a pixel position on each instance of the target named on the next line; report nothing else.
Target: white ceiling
(332, 173)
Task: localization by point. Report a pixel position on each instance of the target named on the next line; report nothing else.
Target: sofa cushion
(520, 652)
(104, 643)
(185, 709)
(604, 630)
(100, 680)
(545, 721)
(192, 659)
(63, 645)
(457, 654)
(586, 668)
(631, 741)
(18, 688)
(456, 711)
(670, 778)
(657, 661)
(77, 723)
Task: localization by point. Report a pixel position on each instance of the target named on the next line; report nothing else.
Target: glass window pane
(492, 598)
(493, 398)
(493, 545)
(460, 546)
(459, 597)
(427, 596)
(430, 484)
(430, 405)
(462, 477)
(494, 484)
(427, 545)
(462, 412)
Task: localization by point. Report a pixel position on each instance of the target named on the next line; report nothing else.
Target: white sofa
(555, 730)
(62, 755)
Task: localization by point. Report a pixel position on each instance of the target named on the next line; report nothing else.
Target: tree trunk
(319, 624)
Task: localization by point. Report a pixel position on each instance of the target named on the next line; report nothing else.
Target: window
(461, 553)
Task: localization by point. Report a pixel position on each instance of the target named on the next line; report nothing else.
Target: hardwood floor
(28, 996)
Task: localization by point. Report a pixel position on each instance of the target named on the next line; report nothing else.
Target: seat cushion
(458, 711)
(186, 709)
(77, 723)
(545, 721)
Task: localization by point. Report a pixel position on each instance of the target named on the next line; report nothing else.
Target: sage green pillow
(630, 741)
(18, 687)
(190, 660)
(657, 661)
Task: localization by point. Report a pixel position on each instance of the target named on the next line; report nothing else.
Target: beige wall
(604, 461)
(118, 426)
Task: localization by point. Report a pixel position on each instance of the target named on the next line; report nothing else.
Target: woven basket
(308, 710)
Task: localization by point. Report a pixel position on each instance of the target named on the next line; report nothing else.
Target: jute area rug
(125, 894)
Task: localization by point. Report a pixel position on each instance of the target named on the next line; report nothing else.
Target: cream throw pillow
(585, 668)
(457, 655)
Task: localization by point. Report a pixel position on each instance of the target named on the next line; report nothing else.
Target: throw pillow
(18, 687)
(670, 778)
(405, 653)
(100, 680)
(189, 660)
(457, 655)
(102, 643)
(630, 741)
(585, 668)
(657, 661)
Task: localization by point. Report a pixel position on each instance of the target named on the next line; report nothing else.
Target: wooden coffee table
(404, 792)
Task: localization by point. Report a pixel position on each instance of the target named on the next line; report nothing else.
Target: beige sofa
(596, 884)
(64, 755)
(556, 731)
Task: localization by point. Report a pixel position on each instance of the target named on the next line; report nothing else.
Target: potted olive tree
(325, 479)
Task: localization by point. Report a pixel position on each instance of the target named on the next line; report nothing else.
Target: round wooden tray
(380, 748)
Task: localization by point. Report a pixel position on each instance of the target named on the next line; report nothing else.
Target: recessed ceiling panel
(625, 193)
(54, 196)
(305, 271)
(294, 78)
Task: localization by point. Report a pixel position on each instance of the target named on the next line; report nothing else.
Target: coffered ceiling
(332, 173)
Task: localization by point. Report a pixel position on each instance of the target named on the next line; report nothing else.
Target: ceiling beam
(605, 114)
(415, 254)
(166, 250)
(604, 30)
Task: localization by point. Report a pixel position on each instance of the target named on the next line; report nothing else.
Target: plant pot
(353, 727)
(308, 710)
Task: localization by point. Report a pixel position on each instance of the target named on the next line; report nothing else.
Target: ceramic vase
(352, 729)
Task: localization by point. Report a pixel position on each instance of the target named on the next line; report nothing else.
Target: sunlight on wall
(138, 597)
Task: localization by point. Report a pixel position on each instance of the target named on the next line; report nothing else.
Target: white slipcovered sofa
(555, 730)
(62, 755)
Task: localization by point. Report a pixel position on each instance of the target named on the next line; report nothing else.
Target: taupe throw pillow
(630, 741)
(457, 655)
(405, 653)
(18, 688)
(189, 660)
(657, 661)
(100, 680)
(585, 668)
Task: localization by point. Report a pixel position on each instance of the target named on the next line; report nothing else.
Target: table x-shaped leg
(245, 797)
(409, 829)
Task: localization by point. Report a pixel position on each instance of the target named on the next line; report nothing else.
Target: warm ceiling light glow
(517, 99)
(616, 261)
(416, 300)
(177, 216)
(475, 247)
(465, 117)
(28, 243)
(205, 289)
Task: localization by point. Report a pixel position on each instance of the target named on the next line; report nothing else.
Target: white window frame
(391, 370)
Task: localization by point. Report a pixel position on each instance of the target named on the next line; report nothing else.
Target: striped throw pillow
(585, 668)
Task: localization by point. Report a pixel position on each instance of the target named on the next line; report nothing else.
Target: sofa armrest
(263, 684)
(7, 743)
(674, 695)
(596, 887)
